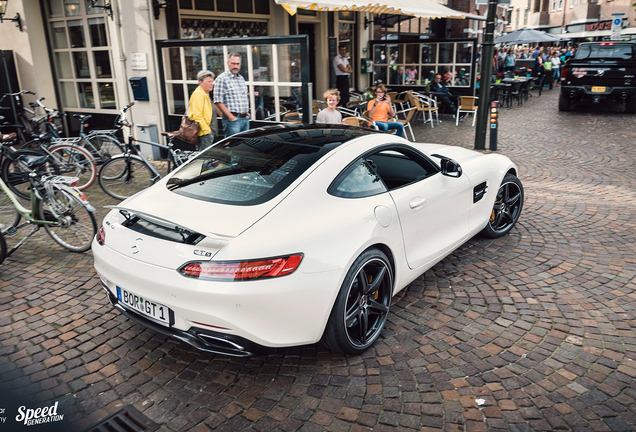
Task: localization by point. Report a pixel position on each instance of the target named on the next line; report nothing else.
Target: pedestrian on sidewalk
(203, 111)
(230, 97)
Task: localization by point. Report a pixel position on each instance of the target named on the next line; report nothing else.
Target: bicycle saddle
(83, 117)
(34, 162)
(8, 137)
(171, 135)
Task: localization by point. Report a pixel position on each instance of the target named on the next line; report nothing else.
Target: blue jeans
(385, 126)
(233, 127)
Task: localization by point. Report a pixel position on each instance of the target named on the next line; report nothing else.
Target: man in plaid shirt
(230, 98)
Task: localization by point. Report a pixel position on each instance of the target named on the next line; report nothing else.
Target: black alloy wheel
(507, 208)
(362, 306)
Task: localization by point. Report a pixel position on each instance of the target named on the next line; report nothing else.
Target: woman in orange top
(380, 109)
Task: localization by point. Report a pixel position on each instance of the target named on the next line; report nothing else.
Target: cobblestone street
(531, 332)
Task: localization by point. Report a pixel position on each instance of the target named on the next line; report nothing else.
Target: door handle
(417, 203)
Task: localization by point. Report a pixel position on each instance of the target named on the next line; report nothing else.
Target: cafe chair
(424, 104)
(409, 112)
(467, 104)
(401, 99)
(515, 93)
(292, 117)
(359, 121)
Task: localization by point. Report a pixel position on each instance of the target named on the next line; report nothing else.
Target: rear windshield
(622, 51)
(254, 167)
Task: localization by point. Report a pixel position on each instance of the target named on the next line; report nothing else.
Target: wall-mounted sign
(617, 25)
(139, 61)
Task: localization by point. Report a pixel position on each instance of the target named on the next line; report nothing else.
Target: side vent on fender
(479, 191)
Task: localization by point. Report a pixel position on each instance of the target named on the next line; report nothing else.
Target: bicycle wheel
(9, 217)
(122, 177)
(76, 162)
(16, 174)
(77, 225)
(104, 147)
(3, 249)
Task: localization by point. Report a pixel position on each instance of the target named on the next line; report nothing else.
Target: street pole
(483, 107)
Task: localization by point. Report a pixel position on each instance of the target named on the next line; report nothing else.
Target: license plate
(156, 311)
(598, 89)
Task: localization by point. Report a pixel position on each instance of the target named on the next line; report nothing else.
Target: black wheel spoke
(372, 285)
(353, 314)
(364, 325)
(513, 199)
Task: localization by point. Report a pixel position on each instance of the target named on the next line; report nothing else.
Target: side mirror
(450, 168)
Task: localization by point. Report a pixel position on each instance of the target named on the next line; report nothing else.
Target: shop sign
(605, 25)
(139, 61)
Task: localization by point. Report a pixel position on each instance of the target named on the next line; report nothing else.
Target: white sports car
(285, 236)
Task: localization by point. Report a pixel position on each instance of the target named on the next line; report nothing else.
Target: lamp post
(3, 10)
(483, 110)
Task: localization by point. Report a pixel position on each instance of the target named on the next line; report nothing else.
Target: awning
(416, 8)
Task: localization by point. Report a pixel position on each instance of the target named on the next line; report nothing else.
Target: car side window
(357, 181)
(399, 166)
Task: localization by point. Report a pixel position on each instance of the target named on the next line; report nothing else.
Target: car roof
(331, 135)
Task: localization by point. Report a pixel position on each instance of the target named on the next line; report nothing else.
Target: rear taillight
(101, 235)
(242, 270)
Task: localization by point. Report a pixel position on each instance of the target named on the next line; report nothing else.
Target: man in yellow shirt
(203, 111)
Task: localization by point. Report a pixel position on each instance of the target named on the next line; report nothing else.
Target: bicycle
(101, 144)
(12, 171)
(56, 205)
(3, 248)
(66, 154)
(25, 128)
(126, 174)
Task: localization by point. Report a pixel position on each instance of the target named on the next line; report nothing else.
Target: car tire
(362, 305)
(630, 106)
(564, 103)
(507, 208)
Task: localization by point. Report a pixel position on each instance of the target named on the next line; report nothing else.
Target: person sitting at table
(443, 94)
(380, 109)
(411, 75)
(397, 76)
(330, 114)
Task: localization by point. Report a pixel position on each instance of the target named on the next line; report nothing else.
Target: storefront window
(69, 97)
(210, 28)
(239, 6)
(205, 5)
(262, 62)
(64, 68)
(82, 54)
(56, 10)
(244, 6)
(102, 64)
(193, 62)
(420, 62)
(214, 59)
(225, 5)
(97, 28)
(272, 74)
(87, 100)
(58, 35)
(76, 33)
(446, 52)
(107, 96)
(82, 70)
